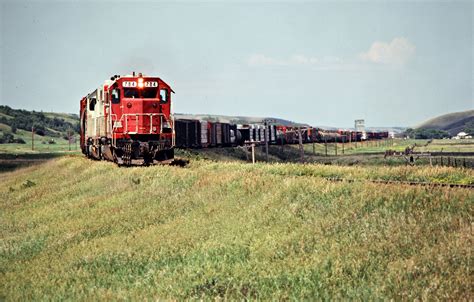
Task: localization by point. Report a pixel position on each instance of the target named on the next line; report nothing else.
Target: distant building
(462, 135)
(359, 126)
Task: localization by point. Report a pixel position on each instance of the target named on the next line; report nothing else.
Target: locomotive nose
(144, 116)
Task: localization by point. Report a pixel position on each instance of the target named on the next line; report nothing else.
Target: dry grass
(78, 229)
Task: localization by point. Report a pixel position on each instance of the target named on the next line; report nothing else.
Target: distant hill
(452, 122)
(50, 124)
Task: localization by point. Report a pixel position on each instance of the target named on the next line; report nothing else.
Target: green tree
(469, 128)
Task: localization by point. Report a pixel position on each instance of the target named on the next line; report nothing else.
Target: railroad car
(188, 133)
(244, 131)
(204, 134)
(372, 135)
(128, 120)
(329, 136)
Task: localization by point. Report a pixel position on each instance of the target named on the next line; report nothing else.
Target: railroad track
(402, 182)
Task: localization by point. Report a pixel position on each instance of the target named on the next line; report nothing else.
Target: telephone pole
(32, 138)
(265, 134)
(343, 141)
(253, 153)
(300, 142)
(69, 137)
(326, 144)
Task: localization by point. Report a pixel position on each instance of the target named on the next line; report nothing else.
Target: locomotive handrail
(125, 116)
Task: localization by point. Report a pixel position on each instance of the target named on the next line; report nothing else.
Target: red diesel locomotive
(128, 120)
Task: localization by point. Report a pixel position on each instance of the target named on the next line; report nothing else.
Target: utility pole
(265, 133)
(253, 153)
(343, 141)
(69, 137)
(326, 144)
(300, 142)
(32, 138)
(335, 144)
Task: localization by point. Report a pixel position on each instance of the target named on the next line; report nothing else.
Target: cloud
(294, 60)
(259, 59)
(397, 52)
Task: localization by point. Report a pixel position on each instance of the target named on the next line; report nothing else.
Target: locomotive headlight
(140, 82)
(129, 105)
(154, 129)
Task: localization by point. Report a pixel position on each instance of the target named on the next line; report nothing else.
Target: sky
(325, 63)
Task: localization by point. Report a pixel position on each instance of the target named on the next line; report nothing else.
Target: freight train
(194, 133)
(128, 120)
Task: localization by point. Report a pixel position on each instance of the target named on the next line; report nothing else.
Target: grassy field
(443, 145)
(364, 154)
(437, 145)
(41, 144)
(77, 229)
(362, 147)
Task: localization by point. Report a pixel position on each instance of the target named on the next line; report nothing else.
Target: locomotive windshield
(146, 93)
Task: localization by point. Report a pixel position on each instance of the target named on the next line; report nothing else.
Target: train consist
(128, 120)
(205, 134)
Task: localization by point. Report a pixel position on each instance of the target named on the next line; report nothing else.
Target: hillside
(49, 124)
(75, 229)
(452, 122)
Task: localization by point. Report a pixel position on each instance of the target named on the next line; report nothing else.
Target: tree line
(43, 125)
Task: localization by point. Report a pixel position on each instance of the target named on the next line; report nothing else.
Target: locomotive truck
(128, 120)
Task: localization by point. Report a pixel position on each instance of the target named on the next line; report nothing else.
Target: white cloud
(294, 60)
(396, 52)
(259, 59)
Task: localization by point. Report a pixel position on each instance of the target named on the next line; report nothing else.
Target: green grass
(41, 144)
(79, 230)
(447, 145)
(441, 145)
(362, 147)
